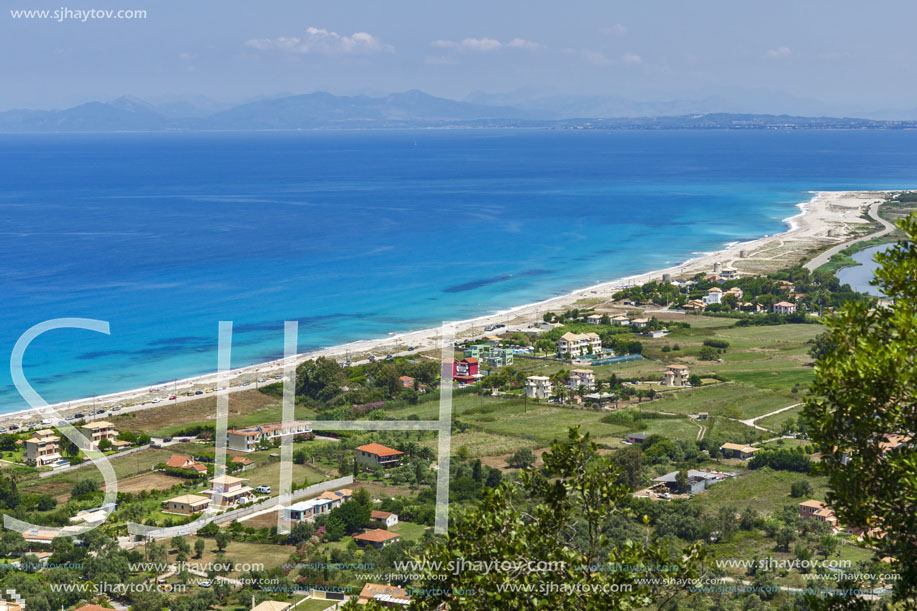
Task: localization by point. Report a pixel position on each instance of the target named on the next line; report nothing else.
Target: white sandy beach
(828, 219)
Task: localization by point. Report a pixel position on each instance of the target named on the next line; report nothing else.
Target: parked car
(173, 398)
(263, 489)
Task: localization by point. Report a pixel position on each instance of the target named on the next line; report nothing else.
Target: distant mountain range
(399, 110)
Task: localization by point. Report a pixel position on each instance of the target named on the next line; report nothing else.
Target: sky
(837, 56)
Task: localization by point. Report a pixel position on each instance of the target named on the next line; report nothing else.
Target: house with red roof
(376, 537)
(374, 455)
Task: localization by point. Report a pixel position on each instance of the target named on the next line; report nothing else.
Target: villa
(42, 448)
(621, 321)
(187, 504)
(538, 387)
(385, 517)
(729, 273)
(577, 344)
(249, 438)
(581, 379)
(738, 450)
(96, 431)
(377, 538)
(640, 323)
(817, 510)
(714, 295)
(784, 307)
(736, 292)
(676, 375)
(337, 497)
(594, 319)
(377, 455)
(385, 595)
(177, 461)
(229, 490)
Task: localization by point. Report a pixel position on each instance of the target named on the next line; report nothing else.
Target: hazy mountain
(408, 109)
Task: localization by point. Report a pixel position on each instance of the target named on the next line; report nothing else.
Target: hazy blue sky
(849, 55)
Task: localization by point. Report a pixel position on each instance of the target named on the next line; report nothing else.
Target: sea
(362, 234)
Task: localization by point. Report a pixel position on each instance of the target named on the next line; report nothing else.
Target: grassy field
(762, 489)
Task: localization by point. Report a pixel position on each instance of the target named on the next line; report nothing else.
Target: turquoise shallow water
(361, 234)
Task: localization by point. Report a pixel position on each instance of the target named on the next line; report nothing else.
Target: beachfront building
(784, 307)
(464, 371)
(249, 438)
(676, 375)
(729, 273)
(385, 595)
(581, 379)
(42, 448)
(229, 490)
(95, 432)
(714, 295)
(738, 450)
(538, 387)
(376, 537)
(374, 455)
(306, 511)
(384, 517)
(571, 345)
(186, 504)
(817, 510)
(499, 357)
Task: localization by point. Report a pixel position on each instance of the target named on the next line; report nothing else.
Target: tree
(222, 540)
(708, 353)
(785, 536)
(682, 481)
(827, 544)
(566, 505)
(800, 489)
(629, 461)
(862, 408)
(198, 548)
(522, 459)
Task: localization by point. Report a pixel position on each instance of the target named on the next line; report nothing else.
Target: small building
(96, 431)
(581, 379)
(42, 448)
(714, 295)
(272, 605)
(621, 321)
(635, 438)
(229, 490)
(385, 595)
(703, 416)
(736, 292)
(187, 504)
(817, 510)
(697, 480)
(465, 371)
(306, 511)
(178, 461)
(385, 517)
(249, 438)
(738, 450)
(374, 455)
(406, 382)
(376, 537)
(247, 463)
(594, 319)
(499, 357)
(337, 497)
(571, 345)
(676, 375)
(729, 273)
(538, 387)
(640, 323)
(784, 307)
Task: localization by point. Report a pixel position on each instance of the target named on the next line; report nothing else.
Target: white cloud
(631, 58)
(487, 45)
(615, 30)
(597, 58)
(323, 42)
(778, 53)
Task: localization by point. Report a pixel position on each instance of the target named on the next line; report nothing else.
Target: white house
(676, 375)
(577, 344)
(784, 307)
(247, 439)
(386, 517)
(538, 387)
(714, 295)
(594, 319)
(581, 379)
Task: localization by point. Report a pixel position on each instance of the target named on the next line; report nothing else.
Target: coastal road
(826, 256)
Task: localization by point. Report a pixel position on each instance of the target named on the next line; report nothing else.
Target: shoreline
(828, 219)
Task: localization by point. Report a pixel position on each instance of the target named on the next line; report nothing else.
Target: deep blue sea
(363, 233)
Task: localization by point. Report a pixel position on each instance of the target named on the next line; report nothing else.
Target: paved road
(826, 256)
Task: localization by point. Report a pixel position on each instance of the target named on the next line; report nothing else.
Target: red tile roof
(376, 535)
(378, 449)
